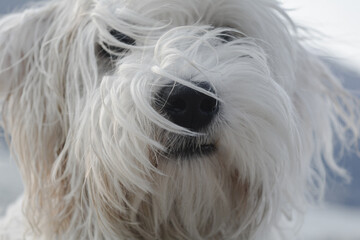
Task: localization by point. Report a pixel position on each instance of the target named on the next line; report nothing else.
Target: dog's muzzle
(192, 110)
(187, 107)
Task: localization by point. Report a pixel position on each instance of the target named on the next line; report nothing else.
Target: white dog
(166, 119)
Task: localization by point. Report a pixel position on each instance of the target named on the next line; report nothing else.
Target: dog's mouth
(190, 148)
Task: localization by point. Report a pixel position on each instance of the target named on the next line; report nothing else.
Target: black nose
(187, 107)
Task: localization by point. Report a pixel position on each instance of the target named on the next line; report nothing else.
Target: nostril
(177, 105)
(209, 105)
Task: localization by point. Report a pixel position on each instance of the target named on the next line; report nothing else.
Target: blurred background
(338, 37)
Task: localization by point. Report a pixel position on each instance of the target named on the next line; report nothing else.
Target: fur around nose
(187, 107)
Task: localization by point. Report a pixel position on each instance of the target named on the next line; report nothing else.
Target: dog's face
(193, 122)
(163, 119)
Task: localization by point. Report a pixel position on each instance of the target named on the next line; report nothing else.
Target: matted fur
(92, 149)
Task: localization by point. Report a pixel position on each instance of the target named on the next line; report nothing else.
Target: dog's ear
(329, 116)
(47, 65)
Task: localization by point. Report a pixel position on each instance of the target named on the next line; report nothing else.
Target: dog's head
(165, 119)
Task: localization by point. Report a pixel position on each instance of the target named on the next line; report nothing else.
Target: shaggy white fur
(100, 159)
